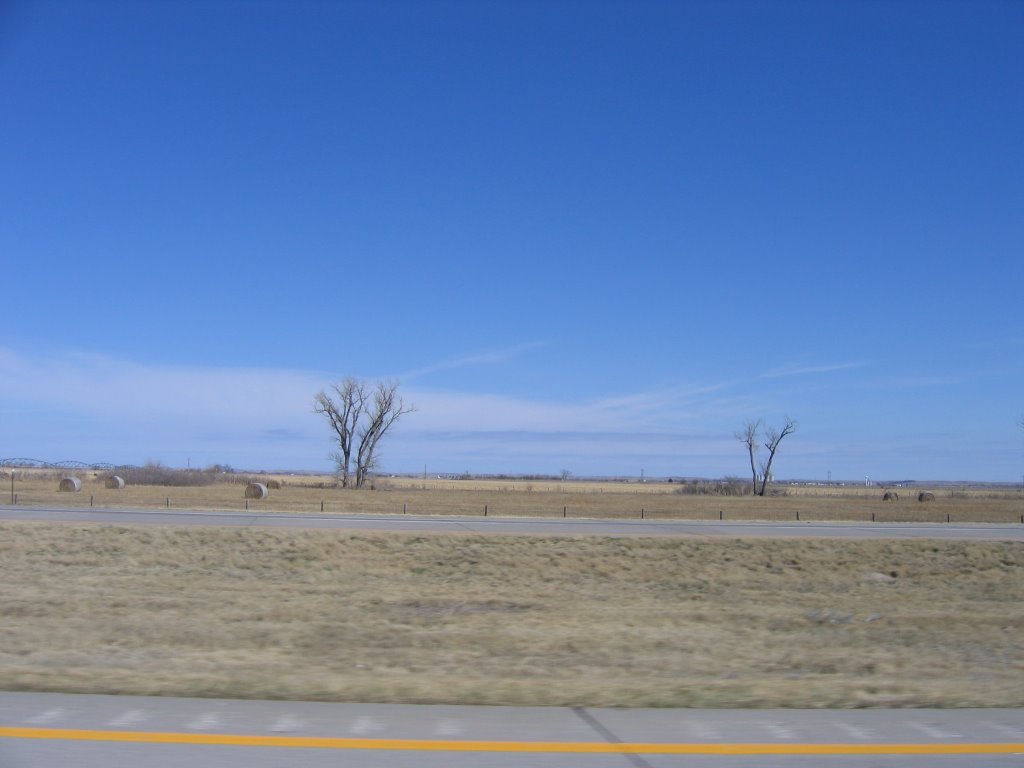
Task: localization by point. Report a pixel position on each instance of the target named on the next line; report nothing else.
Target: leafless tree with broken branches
(772, 438)
(360, 416)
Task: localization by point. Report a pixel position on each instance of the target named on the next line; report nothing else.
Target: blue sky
(594, 236)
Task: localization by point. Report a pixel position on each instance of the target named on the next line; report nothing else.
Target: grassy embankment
(510, 620)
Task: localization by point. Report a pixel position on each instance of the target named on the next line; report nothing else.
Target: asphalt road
(526, 526)
(90, 731)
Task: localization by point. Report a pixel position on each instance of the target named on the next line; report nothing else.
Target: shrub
(156, 474)
(728, 486)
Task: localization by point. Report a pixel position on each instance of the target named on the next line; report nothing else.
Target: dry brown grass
(510, 620)
(533, 498)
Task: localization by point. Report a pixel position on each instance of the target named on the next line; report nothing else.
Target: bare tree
(387, 408)
(772, 439)
(359, 417)
(343, 410)
(748, 436)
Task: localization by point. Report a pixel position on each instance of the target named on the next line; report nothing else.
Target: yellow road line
(583, 747)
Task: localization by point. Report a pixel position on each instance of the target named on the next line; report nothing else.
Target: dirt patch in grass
(510, 620)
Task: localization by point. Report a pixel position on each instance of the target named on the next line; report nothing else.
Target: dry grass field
(526, 498)
(510, 620)
(320, 615)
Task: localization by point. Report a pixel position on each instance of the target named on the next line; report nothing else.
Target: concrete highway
(90, 731)
(525, 526)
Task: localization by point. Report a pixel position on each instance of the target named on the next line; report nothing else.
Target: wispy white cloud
(658, 400)
(264, 415)
(659, 410)
(804, 370)
(919, 382)
(488, 357)
(100, 408)
(103, 385)
(274, 401)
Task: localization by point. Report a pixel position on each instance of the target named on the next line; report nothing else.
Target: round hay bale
(926, 496)
(113, 481)
(274, 485)
(890, 496)
(70, 485)
(256, 491)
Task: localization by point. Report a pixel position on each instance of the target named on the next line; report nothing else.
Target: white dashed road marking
(287, 724)
(702, 731)
(364, 725)
(1014, 731)
(49, 716)
(779, 730)
(205, 722)
(448, 728)
(129, 718)
(935, 731)
(857, 732)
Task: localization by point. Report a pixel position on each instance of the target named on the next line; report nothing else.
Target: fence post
(641, 513)
(563, 511)
(485, 510)
(403, 509)
(90, 501)
(798, 515)
(720, 515)
(872, 517)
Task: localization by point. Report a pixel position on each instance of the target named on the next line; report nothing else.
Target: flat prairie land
(328, 615)
(526, 498)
